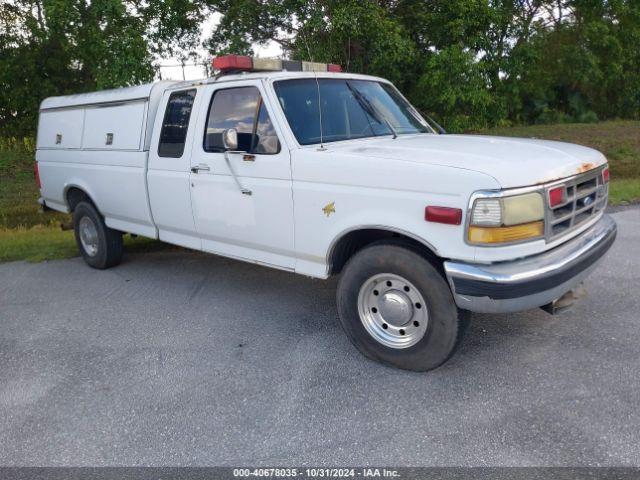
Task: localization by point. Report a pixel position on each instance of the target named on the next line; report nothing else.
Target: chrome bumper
(532, 281)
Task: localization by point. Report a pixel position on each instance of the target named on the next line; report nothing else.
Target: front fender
(334, 196)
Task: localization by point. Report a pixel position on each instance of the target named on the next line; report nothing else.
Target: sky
(170, 68)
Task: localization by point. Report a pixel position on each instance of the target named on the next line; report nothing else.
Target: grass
(50, 242)
(618, 140)
(28, 234)
(36, 244)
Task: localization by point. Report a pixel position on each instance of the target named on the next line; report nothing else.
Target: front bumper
(532, 281)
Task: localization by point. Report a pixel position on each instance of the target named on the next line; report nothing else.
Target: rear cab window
(176, 123)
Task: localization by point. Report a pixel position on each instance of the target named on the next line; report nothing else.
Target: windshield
(350, 109)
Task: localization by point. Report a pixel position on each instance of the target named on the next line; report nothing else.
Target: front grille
(585, 196)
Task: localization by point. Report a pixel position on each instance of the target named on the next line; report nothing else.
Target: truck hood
(512, 162)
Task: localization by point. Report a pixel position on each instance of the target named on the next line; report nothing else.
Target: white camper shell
(78, 137)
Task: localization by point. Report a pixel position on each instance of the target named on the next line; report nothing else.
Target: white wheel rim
(88, 236)
(393, 310)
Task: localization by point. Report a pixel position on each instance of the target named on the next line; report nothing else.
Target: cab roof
(273, 76)
(153, 91)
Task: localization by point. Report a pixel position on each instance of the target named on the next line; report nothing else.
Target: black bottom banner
(427, 473)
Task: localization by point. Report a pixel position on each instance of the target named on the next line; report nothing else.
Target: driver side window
(241, 108)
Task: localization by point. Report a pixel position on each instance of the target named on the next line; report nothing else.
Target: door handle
(201, 167)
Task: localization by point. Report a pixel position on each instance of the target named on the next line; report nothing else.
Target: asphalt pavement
(181, 358)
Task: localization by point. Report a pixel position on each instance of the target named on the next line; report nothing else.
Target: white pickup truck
(300, 167)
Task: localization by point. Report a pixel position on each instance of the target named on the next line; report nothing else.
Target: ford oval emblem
(587, 201)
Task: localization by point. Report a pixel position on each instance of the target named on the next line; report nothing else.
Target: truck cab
(304, 168)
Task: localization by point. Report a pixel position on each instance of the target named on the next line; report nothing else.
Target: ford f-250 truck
(301, 167)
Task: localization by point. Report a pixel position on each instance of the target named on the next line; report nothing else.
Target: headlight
(506, 219)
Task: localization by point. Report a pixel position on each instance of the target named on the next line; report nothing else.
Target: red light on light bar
(556, 196)
(606, 175)
(450, 216)
(232, 62)
(332, 67)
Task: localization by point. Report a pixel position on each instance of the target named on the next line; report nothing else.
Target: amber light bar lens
(506, 234)
(242, 63)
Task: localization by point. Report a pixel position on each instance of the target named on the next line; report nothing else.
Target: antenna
(304, 39)
(315, 75)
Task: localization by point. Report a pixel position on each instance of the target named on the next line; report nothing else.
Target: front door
(242, 202)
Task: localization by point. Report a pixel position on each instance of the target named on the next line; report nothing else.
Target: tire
(375, 291)
(100, 246)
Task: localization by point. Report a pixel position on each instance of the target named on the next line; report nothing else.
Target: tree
(470, 63)
(56, 47)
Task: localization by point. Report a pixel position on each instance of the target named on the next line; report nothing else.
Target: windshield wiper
(368, 107)
(441, 131)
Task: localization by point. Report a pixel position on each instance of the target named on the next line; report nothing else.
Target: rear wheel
(397, 308)
(100, 246)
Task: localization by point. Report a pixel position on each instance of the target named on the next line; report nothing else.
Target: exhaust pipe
(565, 302)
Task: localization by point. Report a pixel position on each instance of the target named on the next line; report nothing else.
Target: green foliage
(18, 191)
(468, 63)
(57, 47)
(454, 86)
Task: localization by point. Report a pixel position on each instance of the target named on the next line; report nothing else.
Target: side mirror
(230, 139)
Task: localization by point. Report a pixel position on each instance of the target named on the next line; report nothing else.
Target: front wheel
(100, 246)
(397, 308)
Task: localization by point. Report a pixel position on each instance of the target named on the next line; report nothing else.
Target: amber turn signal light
(506, 234)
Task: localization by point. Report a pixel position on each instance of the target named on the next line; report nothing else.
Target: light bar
(242, 63)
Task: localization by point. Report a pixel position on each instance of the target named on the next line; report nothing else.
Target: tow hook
(565, 302)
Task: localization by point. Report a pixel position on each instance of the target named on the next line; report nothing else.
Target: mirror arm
(244, 191)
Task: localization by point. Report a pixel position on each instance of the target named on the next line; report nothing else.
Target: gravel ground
(178, 358)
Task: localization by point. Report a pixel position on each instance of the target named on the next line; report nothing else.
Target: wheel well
(75, 196)
(354, 241)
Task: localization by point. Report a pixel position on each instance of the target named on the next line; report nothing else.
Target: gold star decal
(329, 208)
